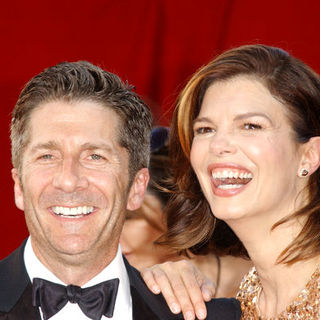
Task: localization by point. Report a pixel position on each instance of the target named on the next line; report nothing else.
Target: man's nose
(223, 144)
(69, 176)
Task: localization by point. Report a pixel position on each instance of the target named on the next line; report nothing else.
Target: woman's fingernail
(207, 294)
(201, 314)
(175, 308)
(155, 289)
(189, 315)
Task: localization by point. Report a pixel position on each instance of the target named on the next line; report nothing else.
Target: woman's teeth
(230, 179)
(230, 186)
(231, 174)
(72, 212)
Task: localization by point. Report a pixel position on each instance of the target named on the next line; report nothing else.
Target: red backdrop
(154, 44)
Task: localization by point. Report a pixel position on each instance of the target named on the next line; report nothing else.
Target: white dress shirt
(116, 269)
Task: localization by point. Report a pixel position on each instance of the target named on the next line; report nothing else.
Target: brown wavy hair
(191, 225)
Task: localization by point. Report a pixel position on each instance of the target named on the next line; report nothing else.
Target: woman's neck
(281, 283)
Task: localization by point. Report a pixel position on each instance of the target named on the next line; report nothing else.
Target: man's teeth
(228, 174)
(72, 212)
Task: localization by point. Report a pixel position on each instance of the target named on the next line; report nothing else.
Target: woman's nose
(222, 144)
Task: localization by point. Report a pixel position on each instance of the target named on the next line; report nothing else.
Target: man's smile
(72, 212)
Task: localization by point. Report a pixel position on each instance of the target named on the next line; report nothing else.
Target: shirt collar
(116, 269)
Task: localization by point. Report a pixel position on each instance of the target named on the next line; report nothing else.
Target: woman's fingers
(193, 281)
(208, 289)
(147, 275)
(158, 281)
(182, 285)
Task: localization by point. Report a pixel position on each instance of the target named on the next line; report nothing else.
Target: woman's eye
(252, 126)
(203, 130)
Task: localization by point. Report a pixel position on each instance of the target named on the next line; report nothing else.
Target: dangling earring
(303, 172)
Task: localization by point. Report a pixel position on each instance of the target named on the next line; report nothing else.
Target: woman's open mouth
(227, 181)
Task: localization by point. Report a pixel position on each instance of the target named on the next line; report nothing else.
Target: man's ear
(18, 193)
(137, 189)
(310, 160)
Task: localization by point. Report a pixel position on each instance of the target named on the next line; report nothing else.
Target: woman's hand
(183, 286)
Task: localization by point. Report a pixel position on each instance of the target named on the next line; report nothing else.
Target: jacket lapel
(145, 304)
(23, 309)
(16, 289)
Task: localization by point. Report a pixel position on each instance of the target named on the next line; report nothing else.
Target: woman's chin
(227, 213)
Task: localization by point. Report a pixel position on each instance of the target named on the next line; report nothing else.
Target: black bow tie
(94, 301)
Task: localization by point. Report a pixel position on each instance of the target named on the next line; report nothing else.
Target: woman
(246, 146)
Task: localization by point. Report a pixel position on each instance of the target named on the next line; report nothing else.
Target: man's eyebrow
(50, 145)
(94, 146)
(53, 145)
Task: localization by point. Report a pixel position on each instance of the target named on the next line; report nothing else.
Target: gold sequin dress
(306, 306)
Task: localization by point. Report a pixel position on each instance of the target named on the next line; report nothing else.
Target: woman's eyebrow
(202, 119)
(252, 114)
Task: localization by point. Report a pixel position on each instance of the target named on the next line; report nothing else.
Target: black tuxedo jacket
(16, 293)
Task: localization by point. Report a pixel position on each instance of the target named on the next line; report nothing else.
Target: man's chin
(71, 245)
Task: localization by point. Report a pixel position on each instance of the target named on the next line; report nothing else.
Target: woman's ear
(137, 190)
(310, 160)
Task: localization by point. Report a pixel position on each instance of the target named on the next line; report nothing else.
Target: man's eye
(46, 157)
(252, 126)
(96, 157)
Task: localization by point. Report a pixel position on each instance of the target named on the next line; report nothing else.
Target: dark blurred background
(154, 44)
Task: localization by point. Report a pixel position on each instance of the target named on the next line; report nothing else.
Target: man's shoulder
(145, 304)
(13, 278)
(223, 309)
(12, 265)
(218, 309)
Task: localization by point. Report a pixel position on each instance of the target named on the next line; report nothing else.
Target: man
(80, 148)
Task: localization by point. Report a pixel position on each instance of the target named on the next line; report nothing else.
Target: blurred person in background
(144, 226)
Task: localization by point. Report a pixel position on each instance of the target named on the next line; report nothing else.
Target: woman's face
(244, 153)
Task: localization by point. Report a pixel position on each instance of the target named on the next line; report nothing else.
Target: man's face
(73, 184)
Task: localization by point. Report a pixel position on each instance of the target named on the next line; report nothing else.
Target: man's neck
(76, 269)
